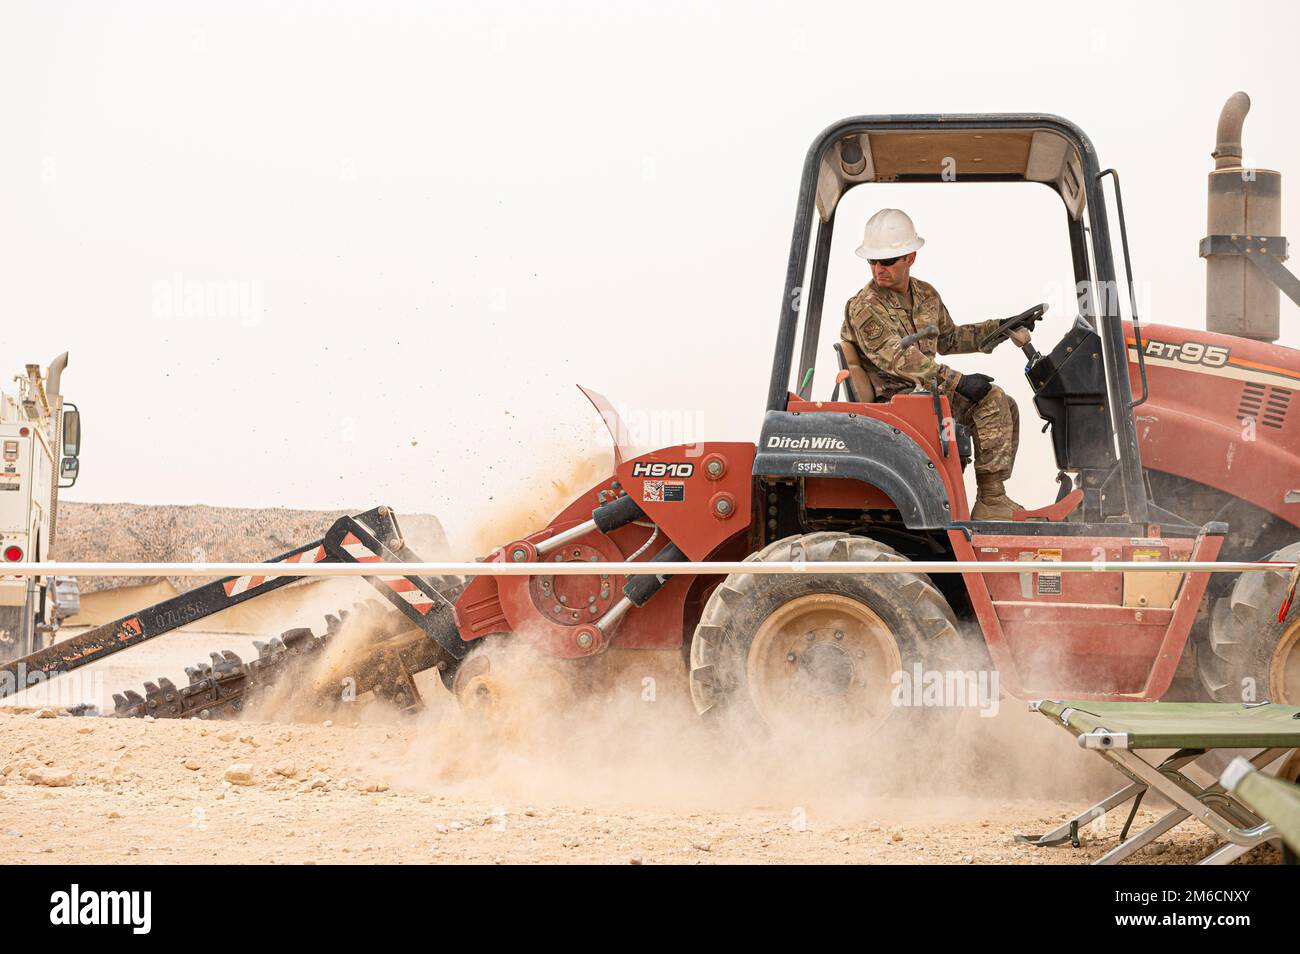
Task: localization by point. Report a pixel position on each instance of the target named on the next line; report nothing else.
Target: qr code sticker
(653, 490)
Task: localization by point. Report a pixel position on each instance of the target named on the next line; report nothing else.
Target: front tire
(770, 649)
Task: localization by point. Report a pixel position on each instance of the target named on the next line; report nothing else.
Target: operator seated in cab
(895, 306)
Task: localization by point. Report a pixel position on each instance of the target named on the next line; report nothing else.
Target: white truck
(40, 439)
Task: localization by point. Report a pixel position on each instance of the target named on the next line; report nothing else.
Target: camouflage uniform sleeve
(879, 342)
(962, 339)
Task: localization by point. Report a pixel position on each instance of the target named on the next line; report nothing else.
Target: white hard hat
(889, 233)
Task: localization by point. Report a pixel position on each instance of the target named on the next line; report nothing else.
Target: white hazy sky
(435, 218)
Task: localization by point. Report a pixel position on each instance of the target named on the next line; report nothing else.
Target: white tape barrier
(575, 568)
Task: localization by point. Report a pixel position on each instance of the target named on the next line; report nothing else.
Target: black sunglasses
(884, 261)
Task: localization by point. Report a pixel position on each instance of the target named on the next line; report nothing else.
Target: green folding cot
(1137, 739)
(1276, 801)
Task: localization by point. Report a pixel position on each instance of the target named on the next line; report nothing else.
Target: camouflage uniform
(876, 319)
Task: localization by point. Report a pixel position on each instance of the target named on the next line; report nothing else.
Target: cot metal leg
(1150, 833)
(1092, 814)
(1142, 838)
(1191, 798)
(1188, 798)
(1227, 854)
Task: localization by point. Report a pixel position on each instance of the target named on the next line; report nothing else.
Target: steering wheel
(1005, 328)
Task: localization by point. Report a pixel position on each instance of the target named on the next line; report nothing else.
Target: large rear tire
(1246, 654)
(771, 648)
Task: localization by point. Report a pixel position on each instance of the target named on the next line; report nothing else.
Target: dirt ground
(629, 777)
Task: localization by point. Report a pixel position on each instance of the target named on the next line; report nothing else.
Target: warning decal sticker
(663, 491)
(1048, 584)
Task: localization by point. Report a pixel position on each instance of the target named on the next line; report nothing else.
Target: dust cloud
(620, 728)
(620, 731)
(542, 496)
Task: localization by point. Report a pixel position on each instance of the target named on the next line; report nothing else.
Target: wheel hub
(824, 669)
(573, 600)
(823, 655)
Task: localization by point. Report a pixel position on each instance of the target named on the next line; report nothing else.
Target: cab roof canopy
(952, 147)
(1022, 148)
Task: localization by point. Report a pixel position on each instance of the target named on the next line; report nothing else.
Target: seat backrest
(861, 388)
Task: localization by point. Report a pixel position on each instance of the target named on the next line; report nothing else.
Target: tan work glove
(1020, 336)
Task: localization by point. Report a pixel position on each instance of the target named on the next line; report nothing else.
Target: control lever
(840, 378)
(938, 416)
(928, 331)
(905, 342)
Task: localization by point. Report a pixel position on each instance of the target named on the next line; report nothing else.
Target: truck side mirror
(71, 433)
(68, 471)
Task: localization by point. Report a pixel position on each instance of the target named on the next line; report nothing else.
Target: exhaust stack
(1239, 298)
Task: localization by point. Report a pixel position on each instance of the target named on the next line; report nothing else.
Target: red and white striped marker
(400, 585)
(245, 583)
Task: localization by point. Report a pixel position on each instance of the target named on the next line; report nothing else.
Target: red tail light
(13, 554)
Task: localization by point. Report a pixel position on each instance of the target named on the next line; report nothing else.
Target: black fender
(849, 446)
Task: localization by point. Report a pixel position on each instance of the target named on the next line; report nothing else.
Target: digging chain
(225, 686)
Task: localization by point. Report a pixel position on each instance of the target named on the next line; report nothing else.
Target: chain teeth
(295, 639)
(220, 687)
